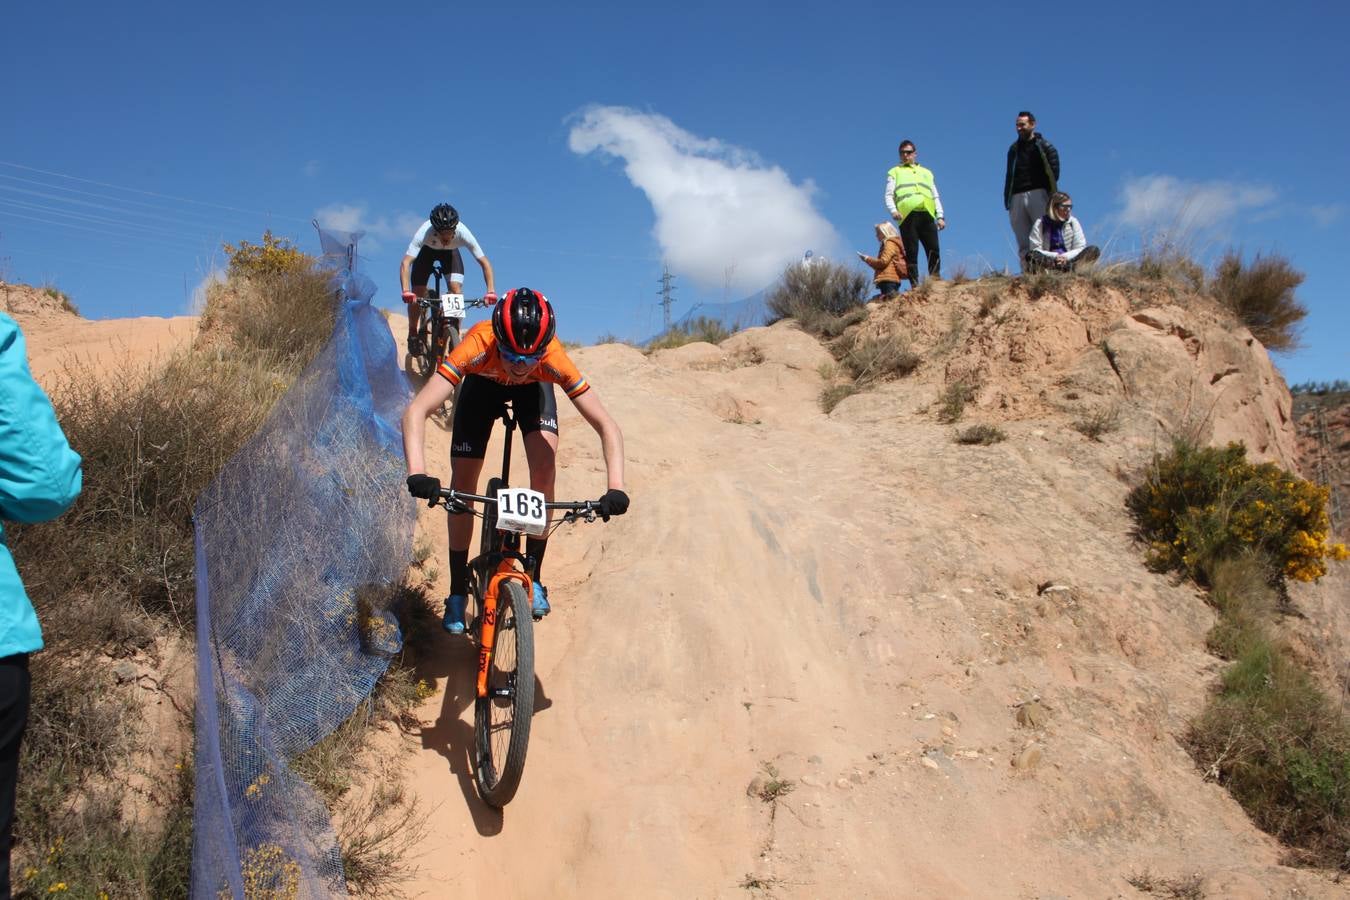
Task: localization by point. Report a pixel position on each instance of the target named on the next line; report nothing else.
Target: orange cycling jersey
(477, 355)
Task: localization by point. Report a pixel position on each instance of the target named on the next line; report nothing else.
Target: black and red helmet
(523, 322)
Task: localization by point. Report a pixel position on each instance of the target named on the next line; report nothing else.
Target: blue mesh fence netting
(299, 543)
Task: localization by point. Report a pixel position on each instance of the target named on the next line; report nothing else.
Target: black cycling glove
(614, 503)
(424, 487)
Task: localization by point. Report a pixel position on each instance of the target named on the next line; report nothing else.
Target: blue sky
(586, 144)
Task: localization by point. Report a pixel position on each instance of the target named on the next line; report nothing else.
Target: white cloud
(376, 229)
(1326, 216)
(1173, 205)
(716, 205)
(310, 169)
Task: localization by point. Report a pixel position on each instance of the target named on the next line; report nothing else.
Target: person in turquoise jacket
(40, 478)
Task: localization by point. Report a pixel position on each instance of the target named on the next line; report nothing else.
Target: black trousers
(920, 226)
(14, 691)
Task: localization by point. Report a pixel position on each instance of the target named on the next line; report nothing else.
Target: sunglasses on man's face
(517, 359)
(1063, 206)
(909, 152)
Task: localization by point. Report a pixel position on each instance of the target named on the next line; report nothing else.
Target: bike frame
(505, 561)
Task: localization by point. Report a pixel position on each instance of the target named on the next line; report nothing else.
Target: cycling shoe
(540, 607)
(453, 621)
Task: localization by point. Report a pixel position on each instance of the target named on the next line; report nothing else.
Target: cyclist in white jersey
(439, 238)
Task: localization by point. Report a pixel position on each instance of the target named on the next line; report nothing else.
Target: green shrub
(1283, 750)
(1198, 505)
(274, 256)
(816, 291)
(702, 328)
(1261, 295)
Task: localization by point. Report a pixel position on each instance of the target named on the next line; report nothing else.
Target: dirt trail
(864, 607)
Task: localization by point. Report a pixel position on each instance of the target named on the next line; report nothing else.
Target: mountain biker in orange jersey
(518, 357)
(439, 238)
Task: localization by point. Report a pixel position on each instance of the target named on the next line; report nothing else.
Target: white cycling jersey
(427, 237)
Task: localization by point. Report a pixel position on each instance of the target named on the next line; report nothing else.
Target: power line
(133, 190)
(152, 211)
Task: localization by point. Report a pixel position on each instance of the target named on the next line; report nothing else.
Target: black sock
(535, 547)
(459, 572)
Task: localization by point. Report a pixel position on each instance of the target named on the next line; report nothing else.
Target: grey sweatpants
(1026, 208)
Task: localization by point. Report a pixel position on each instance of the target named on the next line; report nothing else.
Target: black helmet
(523, 322)
(444, 217)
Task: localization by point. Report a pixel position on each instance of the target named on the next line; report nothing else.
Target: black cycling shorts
(451, 264)
(480, 404)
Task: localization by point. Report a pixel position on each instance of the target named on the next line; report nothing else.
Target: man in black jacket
(1032, 176)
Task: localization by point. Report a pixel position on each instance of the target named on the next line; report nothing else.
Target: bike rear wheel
(501, 720)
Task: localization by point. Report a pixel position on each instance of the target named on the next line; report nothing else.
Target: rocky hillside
(845, 655)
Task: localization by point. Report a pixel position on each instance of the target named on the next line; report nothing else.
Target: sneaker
(453, 621)
(540, 606)
(414, 345)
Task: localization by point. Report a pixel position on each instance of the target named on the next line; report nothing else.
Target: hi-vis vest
(913, 190)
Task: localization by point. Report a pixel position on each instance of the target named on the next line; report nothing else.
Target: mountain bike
(501, 585)
(442, 318)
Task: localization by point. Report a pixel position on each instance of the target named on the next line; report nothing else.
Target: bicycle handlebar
(469, 302)
(575, 509)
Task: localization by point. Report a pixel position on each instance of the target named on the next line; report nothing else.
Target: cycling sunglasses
(517, 359)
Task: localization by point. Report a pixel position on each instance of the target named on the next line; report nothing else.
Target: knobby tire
(502, 724)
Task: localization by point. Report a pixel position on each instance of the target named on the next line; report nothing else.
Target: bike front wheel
(501, 720)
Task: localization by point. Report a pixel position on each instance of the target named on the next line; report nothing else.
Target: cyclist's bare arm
(405, 273)
(611, 438)
(429, 399)
(458, 286)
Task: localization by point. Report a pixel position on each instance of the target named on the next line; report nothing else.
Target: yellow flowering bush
(274, 256)
(1201, 504)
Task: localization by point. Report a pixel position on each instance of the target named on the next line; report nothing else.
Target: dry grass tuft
(809, 292)
(952, 401)
(981, 434)
(1189, 887)
(1261, 295)
(702, 328)
(117, 570)
(1099, 422)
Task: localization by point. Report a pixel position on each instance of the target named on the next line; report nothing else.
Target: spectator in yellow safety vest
(913, 202)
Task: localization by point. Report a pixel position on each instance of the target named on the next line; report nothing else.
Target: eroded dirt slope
(949, 660)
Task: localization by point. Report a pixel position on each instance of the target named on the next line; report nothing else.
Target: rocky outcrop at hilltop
(28, 301)
(1162, 365)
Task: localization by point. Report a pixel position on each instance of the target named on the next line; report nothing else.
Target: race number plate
(452, 306)
(522, 510)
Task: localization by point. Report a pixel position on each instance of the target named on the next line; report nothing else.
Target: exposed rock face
(28, 301)
(1214, 383)
(1168, 366)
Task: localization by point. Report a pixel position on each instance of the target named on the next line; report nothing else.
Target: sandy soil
(951, 656)
(67, 347)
